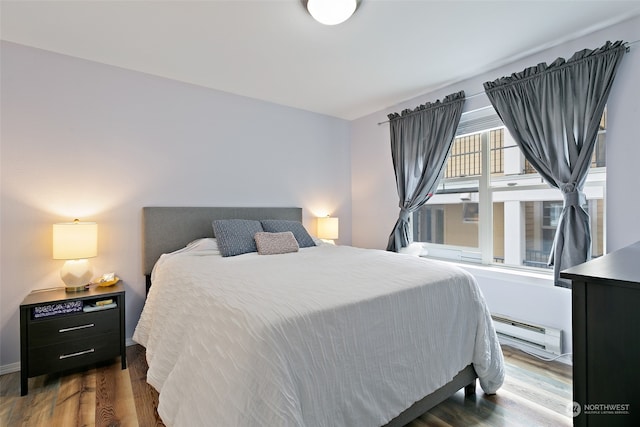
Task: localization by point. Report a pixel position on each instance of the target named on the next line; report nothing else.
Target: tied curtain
(420, 143)
(553, 113)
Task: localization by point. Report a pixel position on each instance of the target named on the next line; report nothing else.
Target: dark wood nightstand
(57, 334)
(606, 339)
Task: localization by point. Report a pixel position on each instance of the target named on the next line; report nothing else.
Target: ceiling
(388, 52)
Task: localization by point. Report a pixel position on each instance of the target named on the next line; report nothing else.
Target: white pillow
(414, 249)
(320, 242)
(206, 244)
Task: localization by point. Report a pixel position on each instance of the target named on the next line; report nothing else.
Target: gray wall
(375, 200)
(95, 142)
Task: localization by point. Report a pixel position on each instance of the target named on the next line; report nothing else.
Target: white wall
(81, 139)
(95, 142)
(375, 200)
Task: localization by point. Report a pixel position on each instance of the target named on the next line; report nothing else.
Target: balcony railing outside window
(465, 159)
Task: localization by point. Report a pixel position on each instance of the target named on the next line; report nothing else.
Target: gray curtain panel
(553, 113)
(420, 143)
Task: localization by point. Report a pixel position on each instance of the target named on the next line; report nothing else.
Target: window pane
(541, 221)
(551, 213)
(596, 212)
(454, 224)
(599, 158)
(496, 141)
(465, 157)
(451, 217)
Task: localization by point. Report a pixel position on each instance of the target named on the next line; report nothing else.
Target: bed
(321, 336)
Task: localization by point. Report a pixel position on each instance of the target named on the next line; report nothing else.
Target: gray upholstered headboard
(166, 229)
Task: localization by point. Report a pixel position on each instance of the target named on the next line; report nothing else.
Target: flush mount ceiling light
(331, 12)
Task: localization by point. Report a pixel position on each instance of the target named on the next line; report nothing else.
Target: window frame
(495, 189)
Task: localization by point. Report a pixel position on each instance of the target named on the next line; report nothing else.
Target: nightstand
(61, 331)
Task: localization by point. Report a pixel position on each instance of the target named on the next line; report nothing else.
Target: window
(508, 214)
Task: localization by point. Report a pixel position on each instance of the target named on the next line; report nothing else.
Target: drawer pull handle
(75, 328)
(80, 353)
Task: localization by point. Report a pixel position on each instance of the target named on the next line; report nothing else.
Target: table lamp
(328, 228)
(75, 242)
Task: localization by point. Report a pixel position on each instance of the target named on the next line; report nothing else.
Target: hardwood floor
(535, 393)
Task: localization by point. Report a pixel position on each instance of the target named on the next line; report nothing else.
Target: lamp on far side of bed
(75, 242)
(328, 228)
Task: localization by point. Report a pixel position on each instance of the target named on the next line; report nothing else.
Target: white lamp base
(76, 274)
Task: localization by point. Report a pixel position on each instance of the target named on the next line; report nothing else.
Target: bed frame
(166, 229)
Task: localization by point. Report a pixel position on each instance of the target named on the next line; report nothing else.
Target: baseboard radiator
(537, 337)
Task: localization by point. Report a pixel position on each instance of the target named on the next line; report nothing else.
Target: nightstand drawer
(72, 327)
(52, 342)
(72, 354)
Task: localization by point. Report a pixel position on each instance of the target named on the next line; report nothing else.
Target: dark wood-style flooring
(535, 393)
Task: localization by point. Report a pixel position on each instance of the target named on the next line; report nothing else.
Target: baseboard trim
(10, 368)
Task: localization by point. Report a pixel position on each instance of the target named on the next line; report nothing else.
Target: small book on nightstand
(100, 305)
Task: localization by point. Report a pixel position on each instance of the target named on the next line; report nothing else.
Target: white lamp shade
(328, 228)
(75, 240)
(331, 12)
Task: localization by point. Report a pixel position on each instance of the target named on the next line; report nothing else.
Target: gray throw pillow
(276, 243)
(236, 236)
(281, 225)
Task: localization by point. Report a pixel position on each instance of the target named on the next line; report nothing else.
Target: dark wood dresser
(61, 331)
(606, 339)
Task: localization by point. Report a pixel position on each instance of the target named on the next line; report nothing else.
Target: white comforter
(327, 336)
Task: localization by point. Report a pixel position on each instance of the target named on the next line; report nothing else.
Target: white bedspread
(327, 336)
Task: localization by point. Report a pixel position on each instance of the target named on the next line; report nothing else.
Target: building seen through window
(509, 215)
